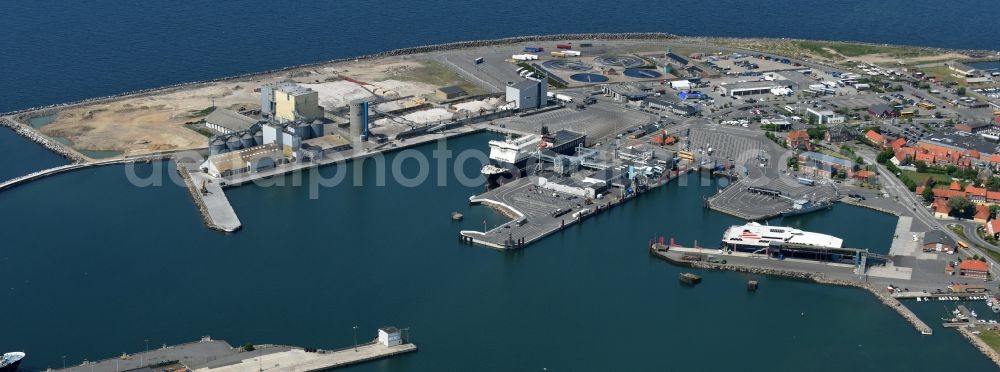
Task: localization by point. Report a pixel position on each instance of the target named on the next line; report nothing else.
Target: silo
(247, 140)
(217, 146)
(233, 143)
(359, 120)
(258, 138)
(317, 128)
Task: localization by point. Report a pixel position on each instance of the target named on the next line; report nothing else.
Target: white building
(227, 121)
(390, 336)
(528, 94)
(825, 116)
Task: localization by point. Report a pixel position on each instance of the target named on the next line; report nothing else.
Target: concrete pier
(210, 199)
(299, 360)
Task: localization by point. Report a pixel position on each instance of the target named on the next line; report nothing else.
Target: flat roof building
(449, 92)
(227, 121)
(528, 94)
(750, 88)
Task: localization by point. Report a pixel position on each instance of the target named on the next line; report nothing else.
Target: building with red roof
(798, 140)
(875, 138)
(973, 268)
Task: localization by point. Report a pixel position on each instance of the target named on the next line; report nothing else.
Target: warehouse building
(627, 92)
(248, 160)
(528, 94)
(676, 106)
(750, 88)
(227, 121)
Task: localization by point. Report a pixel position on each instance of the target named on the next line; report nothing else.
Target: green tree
(816, 132)
(994, 209)
(993, 184)
(928, 194)
(884, 156)
(248, 347)
(961, 207)
(920, 165)
(960, 91)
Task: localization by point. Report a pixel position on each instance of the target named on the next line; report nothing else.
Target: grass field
(991, 338)
(942, 73)
(920, 177)
(854, 50)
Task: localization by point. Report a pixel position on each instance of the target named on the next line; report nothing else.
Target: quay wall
(883, 296)
(851, 201)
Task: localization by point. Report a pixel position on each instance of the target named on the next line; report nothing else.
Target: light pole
(355, 338)
(64, 361)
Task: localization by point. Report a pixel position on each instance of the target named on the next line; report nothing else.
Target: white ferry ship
(754, 236)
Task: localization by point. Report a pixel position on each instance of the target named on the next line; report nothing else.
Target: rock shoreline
(30, 133)
(980, 344)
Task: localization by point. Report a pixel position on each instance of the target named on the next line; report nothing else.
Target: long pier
(75, 166)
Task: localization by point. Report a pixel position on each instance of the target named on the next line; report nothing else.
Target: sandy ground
(475, 106)
(339, 93)
(157, 122)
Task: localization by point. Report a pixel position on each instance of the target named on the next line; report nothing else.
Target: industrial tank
(233, 143)
(247, 140)
(258, 138)
(359, 119)
(317, 128)
(217, 146)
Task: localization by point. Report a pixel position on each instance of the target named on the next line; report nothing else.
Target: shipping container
(586, 45)
(533, 49)
(479, 60)
(564, 46)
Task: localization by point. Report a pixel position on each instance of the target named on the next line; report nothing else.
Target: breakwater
(30, 133)
(883, 296)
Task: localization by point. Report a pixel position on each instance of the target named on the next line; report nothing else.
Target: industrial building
(673, 105)
(449, 92)
(528, 94)
(627, 92)
(227, 121)
(749, 88)
(252, 159)
(286, 101)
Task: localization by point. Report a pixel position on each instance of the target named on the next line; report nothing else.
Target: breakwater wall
(883, 296)
(30, 133)
(980, 344)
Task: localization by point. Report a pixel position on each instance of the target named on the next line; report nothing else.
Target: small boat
(10, 361)
(919, 299)
(689, 278)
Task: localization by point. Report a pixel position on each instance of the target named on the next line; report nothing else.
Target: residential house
(875, 138)
(798, 140)
(973, 269)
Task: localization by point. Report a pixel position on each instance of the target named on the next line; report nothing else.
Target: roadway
(897, 189)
